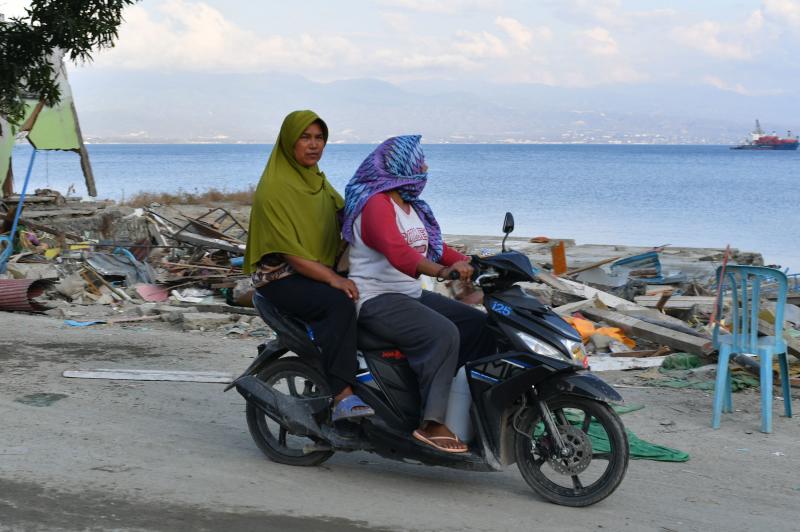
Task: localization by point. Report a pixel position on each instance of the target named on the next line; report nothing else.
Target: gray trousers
(424, 330)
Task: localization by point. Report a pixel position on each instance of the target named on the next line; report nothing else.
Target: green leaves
(28, 44)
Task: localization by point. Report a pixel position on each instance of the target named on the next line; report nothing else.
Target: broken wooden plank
(637, 328)
(792, 344)
(661, 351)
(569, 308)
(151, 375)
(606, 363)
(704, 303)
(591, 266)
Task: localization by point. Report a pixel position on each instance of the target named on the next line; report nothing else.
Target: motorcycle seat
(368, 341)
(292, 332)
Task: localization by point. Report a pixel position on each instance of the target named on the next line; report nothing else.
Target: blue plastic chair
(745, 284)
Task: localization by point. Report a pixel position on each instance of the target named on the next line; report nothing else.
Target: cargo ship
(760, 141)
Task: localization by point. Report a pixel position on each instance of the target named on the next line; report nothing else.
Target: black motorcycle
(533, 403)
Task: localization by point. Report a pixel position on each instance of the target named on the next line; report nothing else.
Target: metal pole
(4, 256)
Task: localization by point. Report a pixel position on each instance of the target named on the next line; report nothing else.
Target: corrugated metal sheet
(18, 294)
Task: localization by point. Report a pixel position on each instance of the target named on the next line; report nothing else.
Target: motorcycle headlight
(540, 347)
(578, 353)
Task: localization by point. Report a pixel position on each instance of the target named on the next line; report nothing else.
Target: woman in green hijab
(292, 246)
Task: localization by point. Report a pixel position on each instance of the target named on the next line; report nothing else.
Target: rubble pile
(97, 262)
(633, 313)
(100, 263)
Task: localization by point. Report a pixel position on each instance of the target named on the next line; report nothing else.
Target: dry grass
(210, 196)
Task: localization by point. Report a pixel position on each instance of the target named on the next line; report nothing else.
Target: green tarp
(639, 449)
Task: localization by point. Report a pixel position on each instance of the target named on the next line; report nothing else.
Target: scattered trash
(152, 292)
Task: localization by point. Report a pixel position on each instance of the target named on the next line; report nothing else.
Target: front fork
(550, 424)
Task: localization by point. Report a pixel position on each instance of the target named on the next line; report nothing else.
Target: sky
(736, 47)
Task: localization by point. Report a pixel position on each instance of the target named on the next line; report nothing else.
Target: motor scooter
(533, 403)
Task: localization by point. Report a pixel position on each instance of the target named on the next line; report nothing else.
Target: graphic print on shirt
(417, 238)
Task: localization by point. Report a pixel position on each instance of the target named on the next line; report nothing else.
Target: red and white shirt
(388, 245)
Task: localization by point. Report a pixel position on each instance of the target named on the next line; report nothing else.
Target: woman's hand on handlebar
(345, 285)
(462, 268)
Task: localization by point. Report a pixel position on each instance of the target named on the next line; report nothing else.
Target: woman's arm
(319, 272)
(432, 269)
(379, 231)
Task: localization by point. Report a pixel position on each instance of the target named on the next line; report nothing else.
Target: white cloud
(787, 11)
(522, 35)
(755, 22)
(441, 6)
(611, 13)
(482, 45)
(398, 22)
(195, 36)
(419, 61)
(605, 11)
(706, 37)
(738, 88)
(714, 81)
(598, 41)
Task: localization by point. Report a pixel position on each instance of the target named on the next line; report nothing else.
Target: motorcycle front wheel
(597, 451)
(289, 376)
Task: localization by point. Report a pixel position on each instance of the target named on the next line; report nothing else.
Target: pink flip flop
(431, 440)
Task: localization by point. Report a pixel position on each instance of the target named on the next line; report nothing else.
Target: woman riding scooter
(394, 239)
(292, 246)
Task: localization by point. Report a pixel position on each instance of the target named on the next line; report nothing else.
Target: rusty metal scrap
(21, 294)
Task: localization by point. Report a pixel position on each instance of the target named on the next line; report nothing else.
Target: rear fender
(268, 352)
(582, 384)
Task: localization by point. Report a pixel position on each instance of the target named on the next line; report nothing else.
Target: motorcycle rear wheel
(559, 479)
(290, 376)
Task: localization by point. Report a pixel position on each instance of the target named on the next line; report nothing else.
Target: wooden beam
(84, 154)
(8, 184)
(679, 302)
(591, 266)
(637, 328)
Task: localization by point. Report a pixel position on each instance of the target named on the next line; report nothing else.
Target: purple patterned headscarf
(396, 164)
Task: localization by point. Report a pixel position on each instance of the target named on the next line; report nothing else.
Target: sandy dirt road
(99, 455)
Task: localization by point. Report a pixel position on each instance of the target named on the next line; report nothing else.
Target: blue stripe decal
(518, 363)
(483, 377)
(365, 377)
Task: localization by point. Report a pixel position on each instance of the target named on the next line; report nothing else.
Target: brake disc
(579, 446)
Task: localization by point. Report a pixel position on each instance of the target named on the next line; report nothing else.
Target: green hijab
(294, 208)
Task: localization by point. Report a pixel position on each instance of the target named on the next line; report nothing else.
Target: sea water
(706, 196)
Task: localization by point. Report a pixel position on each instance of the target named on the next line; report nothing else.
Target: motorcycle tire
(535, 456)
(270, 437)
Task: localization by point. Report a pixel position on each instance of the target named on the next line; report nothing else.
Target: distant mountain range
(194, 107)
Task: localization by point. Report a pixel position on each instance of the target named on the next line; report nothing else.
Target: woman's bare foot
(437, 435)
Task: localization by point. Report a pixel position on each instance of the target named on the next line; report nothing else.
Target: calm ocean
(639, 195)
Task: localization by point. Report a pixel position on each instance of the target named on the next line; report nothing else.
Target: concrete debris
(203, 321)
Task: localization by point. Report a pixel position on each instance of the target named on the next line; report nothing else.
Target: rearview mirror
(508, 226)
(508, 223)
